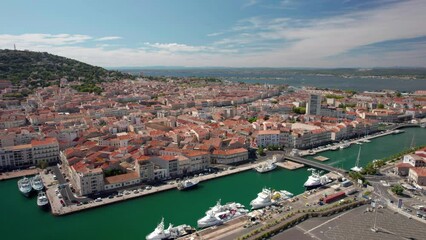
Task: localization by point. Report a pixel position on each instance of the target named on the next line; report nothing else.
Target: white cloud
(47, 39)
(278, 42)
(108, 38)
(250, 3)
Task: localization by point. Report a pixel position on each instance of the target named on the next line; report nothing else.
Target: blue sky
(229, 33)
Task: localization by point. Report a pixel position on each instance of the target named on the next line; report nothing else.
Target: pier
(315, 164)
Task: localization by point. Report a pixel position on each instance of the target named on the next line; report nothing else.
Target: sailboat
(357, 168)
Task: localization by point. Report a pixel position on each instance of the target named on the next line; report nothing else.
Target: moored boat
(220, 214)
(42, 200)
(37, 183)
(267, 166)
(316, 179)
(187, 184)
(169, 233)
(345, 145)
(24, 186)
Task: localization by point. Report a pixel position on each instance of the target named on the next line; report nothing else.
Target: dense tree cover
(397, 189)
(334, 96)
(299, 110)
(261, 151)
(252, 119)
(88, 87)
(26, 65)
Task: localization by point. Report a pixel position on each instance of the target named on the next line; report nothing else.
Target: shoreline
(58, 210)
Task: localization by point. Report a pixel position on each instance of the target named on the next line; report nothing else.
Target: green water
(20, 217)
(376, 149)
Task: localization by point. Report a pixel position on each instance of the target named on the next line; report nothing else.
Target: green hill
(43, 67)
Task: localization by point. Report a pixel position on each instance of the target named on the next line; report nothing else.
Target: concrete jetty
(18, 174)
(290, 165)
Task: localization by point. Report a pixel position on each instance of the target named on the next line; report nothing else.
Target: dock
(315, 164)
(321, 158)
(58, 209)
(18, 174)
(290, 165)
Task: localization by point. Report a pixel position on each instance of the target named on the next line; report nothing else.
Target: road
(66, 192)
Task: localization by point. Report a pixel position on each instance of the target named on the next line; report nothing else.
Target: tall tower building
(313, 107)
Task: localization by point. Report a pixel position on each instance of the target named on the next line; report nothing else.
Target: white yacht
(220, 214)
(37, 183)
(316, 179)
(24, 186)
(267, 166)
(365, 140)
(187, 184)
(42, 200)
(169, 233)
(398, 131)
(263, 199)
(345, 145)
(268, 197)
(357, 168)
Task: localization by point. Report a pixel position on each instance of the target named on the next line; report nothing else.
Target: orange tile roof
(421, 171)
(45, 141)
(121, 178)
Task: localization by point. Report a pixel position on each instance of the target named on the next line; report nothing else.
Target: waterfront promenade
(353, 141)
(58, 209)
(17, 174)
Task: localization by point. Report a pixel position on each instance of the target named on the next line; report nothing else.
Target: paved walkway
(57, 208)
(17, 174)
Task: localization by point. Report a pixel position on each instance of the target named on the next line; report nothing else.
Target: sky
(221, 33)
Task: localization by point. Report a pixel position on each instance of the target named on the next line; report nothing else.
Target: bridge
(315, 164)
(405, 125)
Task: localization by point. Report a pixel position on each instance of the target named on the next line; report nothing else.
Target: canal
(134, 219)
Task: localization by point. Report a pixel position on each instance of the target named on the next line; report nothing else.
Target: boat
(24, 186)
(334, 148)
(316, 179)
(220, 214)
(169, 233)
(345, 145)
(37, 183)
(263, 199)
(42, 200)
(267, 166)
(357, 168)
(358, 143)
(397, 132)
(423, 125)
(365, 140)
(187, 184)
(269, 197)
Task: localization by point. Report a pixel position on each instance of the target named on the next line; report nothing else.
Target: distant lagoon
(295, 79)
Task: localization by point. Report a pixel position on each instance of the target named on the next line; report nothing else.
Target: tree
(380, 106)
(261, 151)
(397, 189)
(252, 119)
(42, 164)
(299, 110)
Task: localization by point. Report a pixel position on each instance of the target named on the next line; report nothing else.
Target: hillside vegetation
(41, 67)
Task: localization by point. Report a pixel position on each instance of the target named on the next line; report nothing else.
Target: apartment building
(229, 156)
(268, 138)
(25, 155)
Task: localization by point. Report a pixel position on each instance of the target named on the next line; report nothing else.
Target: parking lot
(357, 224)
